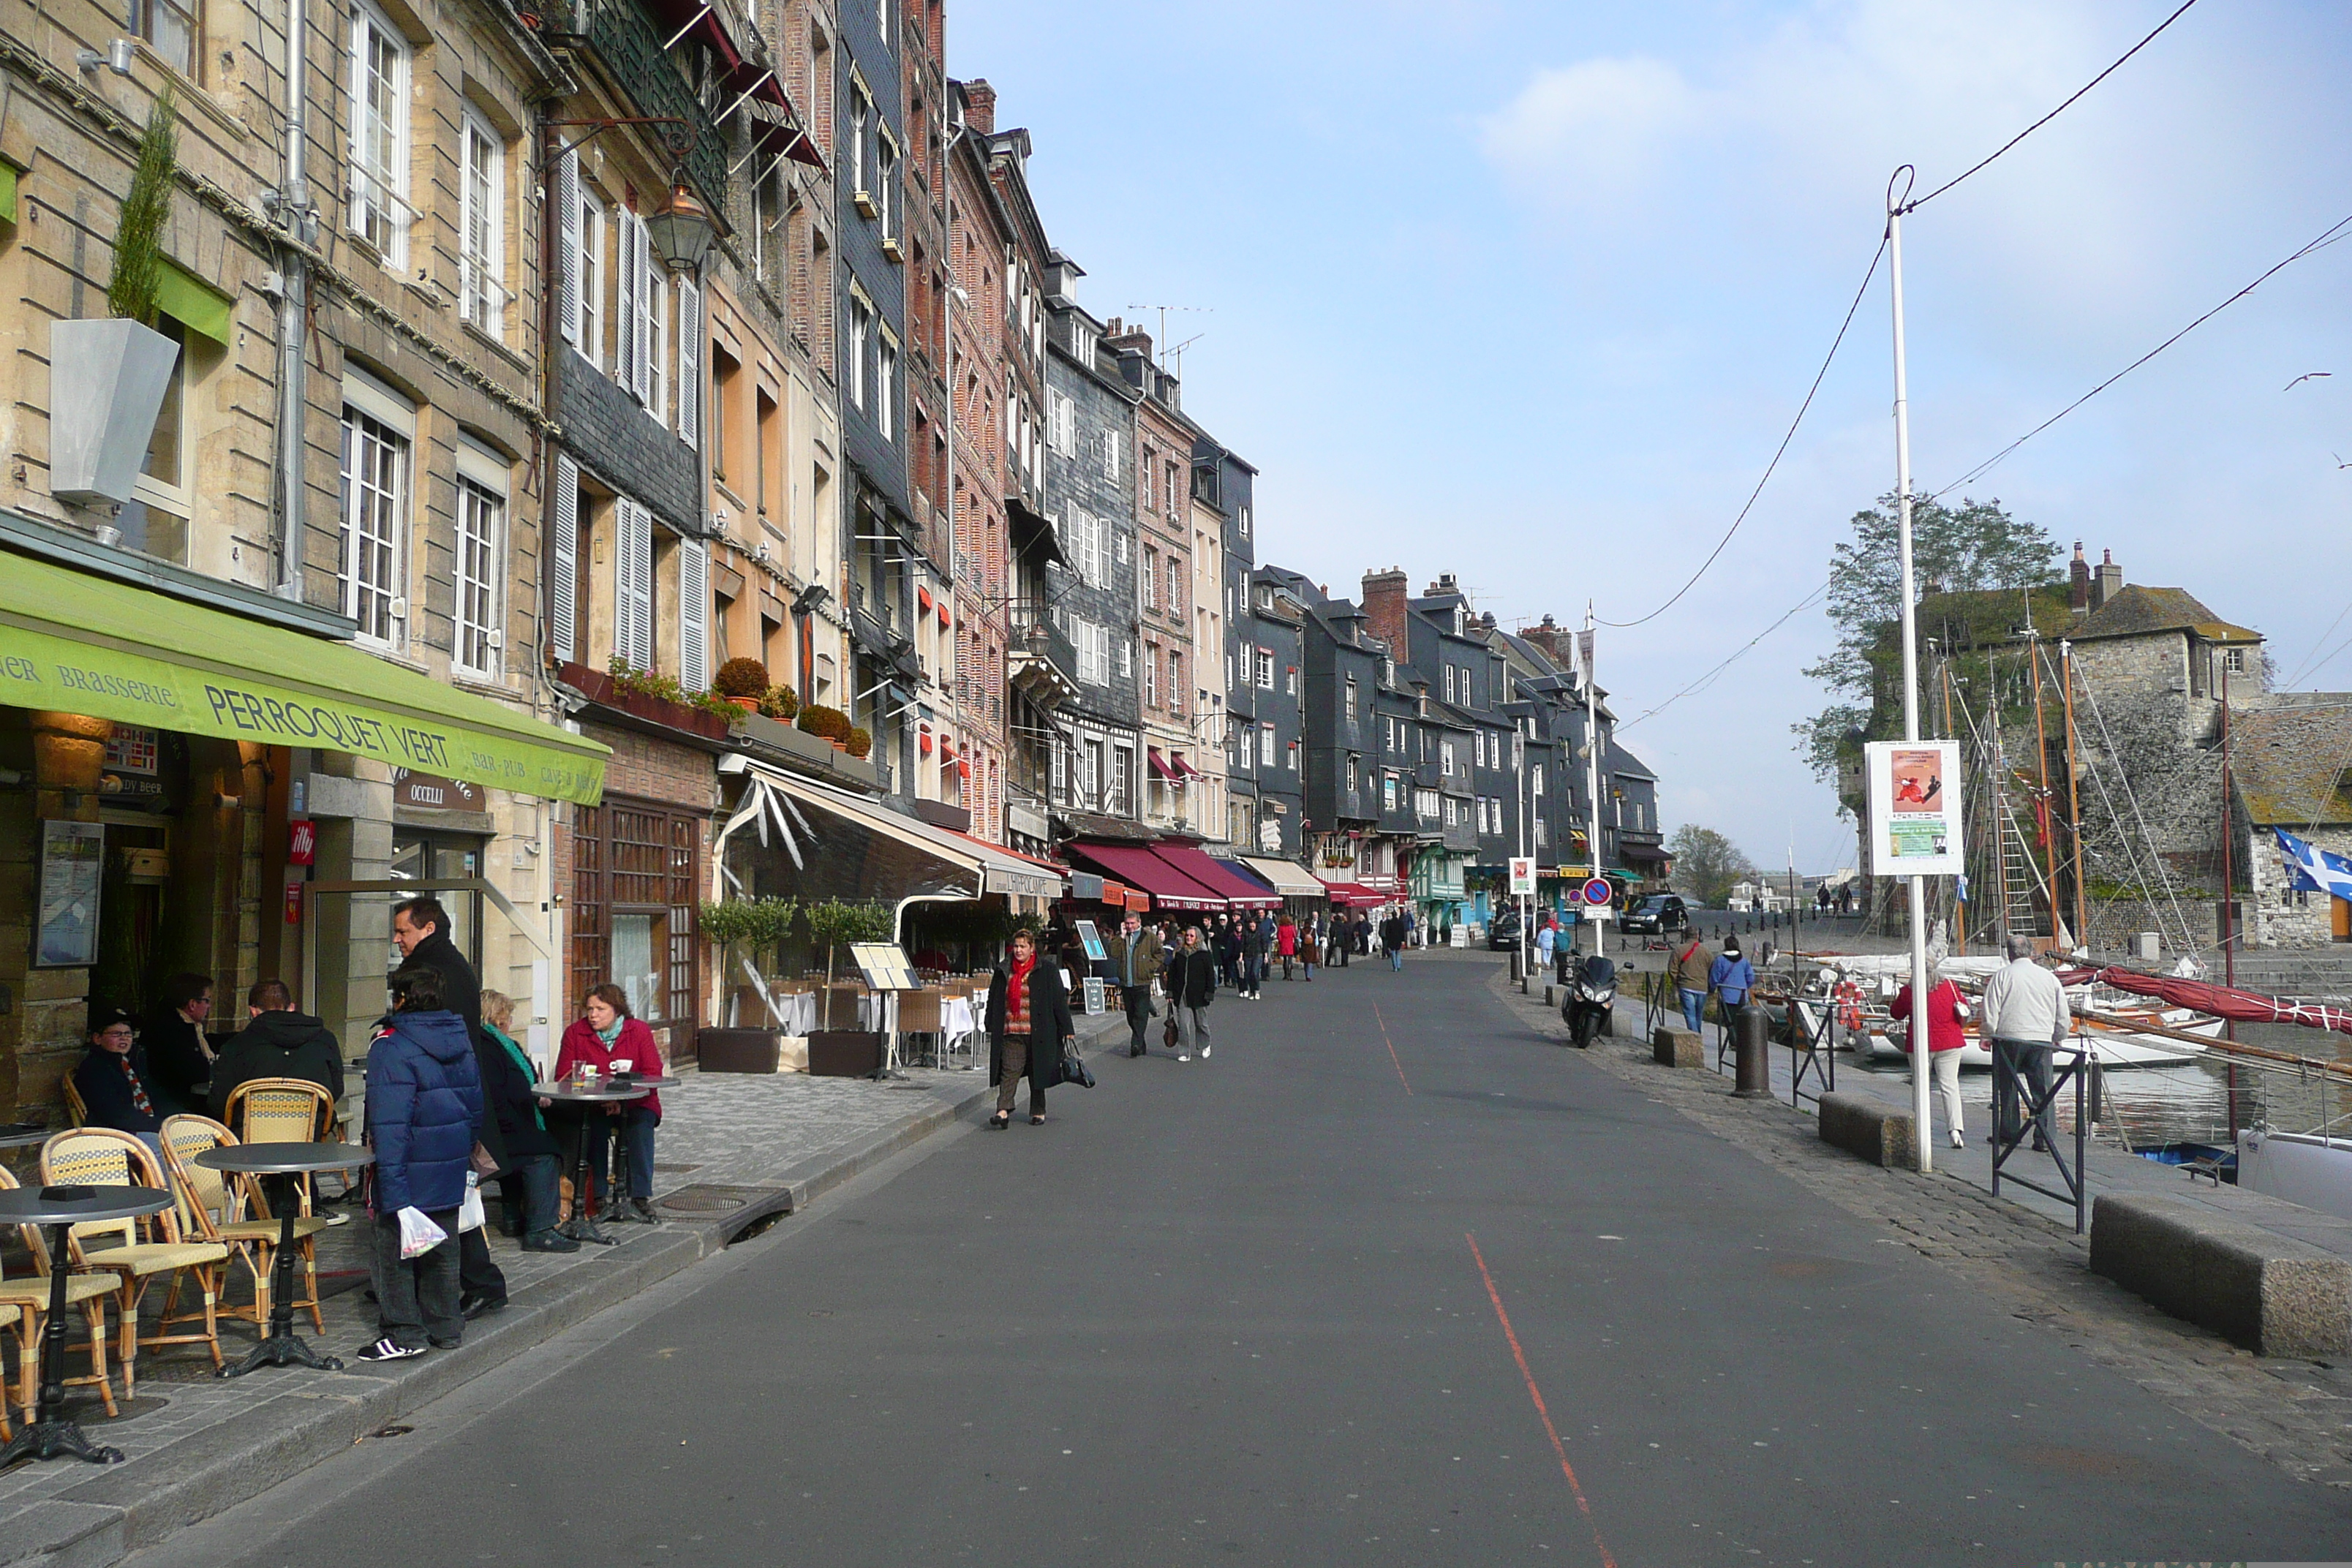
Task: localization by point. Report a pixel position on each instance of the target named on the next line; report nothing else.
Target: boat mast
(2073, 789)
(2228, 877)
(2042, 755)
(1959, 903)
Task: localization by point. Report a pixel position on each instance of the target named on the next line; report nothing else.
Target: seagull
(2306, 375)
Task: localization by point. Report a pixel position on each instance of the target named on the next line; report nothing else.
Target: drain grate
(706, 1198)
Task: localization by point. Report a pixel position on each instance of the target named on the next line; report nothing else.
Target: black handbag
(1074, 1066)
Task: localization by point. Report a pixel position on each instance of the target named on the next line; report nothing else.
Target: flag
(1584, 652)
(2312, 869)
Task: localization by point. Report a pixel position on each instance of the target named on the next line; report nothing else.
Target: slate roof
(2138, 611)
(2292, 764)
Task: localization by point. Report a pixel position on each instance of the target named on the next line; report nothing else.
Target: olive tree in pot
(835, 924)
(108, 378)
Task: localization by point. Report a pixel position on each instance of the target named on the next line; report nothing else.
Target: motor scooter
(1590, 997)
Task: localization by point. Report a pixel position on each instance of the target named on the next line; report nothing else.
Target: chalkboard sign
(1094, 994)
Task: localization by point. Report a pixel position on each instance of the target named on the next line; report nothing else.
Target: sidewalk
(733, 1151)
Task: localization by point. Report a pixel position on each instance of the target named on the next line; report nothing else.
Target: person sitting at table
(113, 1081)
(176, 1045)
(532, 1151)
(423, 1097)
(276, 1042)
(608, 1037)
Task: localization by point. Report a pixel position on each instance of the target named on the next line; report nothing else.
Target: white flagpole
(1922, 1142)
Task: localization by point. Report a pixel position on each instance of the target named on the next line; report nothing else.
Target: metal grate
(706, 1198)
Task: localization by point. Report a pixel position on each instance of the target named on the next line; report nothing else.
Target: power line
(2335, 231)
(1915, 205)
(1708, 680)
(1868, 273)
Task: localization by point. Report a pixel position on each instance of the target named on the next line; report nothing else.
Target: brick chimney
(980, 105)
(2078, 582)
(1550, 637)
(2107, 581)
(1384, 607)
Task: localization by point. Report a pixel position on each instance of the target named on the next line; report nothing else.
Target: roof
(2294, 765)
(1624, 763)
(2137, 611)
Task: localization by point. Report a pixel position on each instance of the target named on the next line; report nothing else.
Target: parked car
(1503, 930)
(1660, 914)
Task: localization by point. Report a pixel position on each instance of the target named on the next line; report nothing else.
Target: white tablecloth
(796, 1013)
(958, 1018)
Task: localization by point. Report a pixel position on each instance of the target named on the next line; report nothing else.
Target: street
(1388, 1280)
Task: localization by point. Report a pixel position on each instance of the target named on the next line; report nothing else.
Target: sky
(1530, 292)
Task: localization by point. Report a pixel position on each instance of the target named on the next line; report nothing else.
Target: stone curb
(123, 1508)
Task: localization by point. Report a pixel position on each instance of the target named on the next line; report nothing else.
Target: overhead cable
(1705, 680)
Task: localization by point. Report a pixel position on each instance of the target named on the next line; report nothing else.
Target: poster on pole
(1523, 874)
(1914, 808)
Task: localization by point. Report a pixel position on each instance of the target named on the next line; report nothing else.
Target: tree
(1968, 548)
(1706, 863)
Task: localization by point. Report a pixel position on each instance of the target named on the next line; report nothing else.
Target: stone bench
(1677, 1048)
(1869, 1129)
(2270, 1293)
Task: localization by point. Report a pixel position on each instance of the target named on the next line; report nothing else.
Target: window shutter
(625, 334)
(648, 301)
(690, 363)
(693, 615)
(633, 581)
(567, 203)
(563, 608)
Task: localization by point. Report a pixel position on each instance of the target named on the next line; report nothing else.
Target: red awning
(1183, 769)
(1195, 863)
(1137, 867)
(782, 129)
(1354, 896)
(1160, 768)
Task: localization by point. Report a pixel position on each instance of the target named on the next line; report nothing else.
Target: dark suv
(1660, 914)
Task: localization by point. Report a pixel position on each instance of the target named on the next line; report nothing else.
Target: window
(591, 333)
(376, 516)
(1152, 676)
(1148, 579)
(1245, 523)
(1449, 811)
(861, 119)
(1176, 586)
(1061, 423)
(1126, 659)
(1171, 491)
(1290, 680)
(1175, 681)
(169, 27)
(1349, 709)
(658, 335)
(886, 184)
(1355, 772)
(1262, 661)
(480, 513)
(1092, 640)
(1293, 761)
(1445, 757)
(481, 227)
(885, 381)
(1266, 744)
(861, 332)
(1119, 538)
(1388, 791)
(1122, 780)
(1113, 457)
(1534, 777)
(1449, 683)
(379, 133)
(155, 521)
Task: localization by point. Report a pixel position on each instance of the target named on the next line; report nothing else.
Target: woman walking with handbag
(1029, 1027)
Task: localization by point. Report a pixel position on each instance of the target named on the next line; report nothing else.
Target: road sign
(1523, 874)
(1597, 892)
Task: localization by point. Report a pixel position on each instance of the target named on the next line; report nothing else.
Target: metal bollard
(1517, 975)
(1751, 1033)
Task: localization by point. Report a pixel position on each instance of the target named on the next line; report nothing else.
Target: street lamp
(681, 232)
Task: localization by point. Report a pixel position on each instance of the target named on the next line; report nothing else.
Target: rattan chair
(76, 1112)
(213, 1208)
(281, 1110)
(29, 1298)
(103, 1157)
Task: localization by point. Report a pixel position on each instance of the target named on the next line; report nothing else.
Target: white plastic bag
(469, 1213)
(418, 1234)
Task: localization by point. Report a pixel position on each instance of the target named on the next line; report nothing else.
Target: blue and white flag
(2314, 870)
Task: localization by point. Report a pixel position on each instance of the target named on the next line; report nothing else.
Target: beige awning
(1289, 878)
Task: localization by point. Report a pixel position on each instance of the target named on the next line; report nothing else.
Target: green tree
(138, 231)
(1706, 863)
(1967, 548)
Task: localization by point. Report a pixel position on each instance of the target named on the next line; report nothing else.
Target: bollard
(1517, 977)
(1548, 994)
(1751, 1033)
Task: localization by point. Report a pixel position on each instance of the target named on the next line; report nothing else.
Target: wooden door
(2339, 919)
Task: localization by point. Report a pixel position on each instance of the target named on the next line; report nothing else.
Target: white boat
(2301, 1167)
(1880, 976)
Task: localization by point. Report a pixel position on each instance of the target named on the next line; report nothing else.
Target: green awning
(80, 644)
(189, 300)
(7, 193)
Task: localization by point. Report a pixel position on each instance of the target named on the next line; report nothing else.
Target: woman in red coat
(1946, 1014)
(606, 1037)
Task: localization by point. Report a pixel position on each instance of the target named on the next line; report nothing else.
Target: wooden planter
(603, 690)
(736, 1050)
(843, 1053)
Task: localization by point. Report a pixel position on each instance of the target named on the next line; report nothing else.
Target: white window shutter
(693, 615)
(632, 577)
(648, 301)
(690, 363)
(567, 203)
(625, 334)
(563, 606)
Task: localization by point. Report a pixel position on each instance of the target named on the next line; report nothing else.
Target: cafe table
(282, 1346)
(50, 1435)
(586, 1094)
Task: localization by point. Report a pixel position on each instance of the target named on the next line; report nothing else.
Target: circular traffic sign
(1598, 892)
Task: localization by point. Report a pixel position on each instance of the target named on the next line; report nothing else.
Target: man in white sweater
(2024, 1014)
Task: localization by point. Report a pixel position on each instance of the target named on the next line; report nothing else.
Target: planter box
(736, 1050)
(107, 381)
(843, 1053)
(603, 690)
(813, 754)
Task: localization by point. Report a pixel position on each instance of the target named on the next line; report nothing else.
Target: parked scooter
(1590, 997)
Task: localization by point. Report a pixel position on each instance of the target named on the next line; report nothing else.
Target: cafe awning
(1291, 882)
(1355, 896)
(1196, 863)
(81, 644)
(1137, 867)
(849, 846)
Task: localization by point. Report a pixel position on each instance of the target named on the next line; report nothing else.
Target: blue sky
(1530, 292)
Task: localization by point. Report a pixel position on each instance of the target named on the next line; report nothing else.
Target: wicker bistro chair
(213, 1208)
(919, 1013)
(76, 1112)
(29, 1298)
(282, 1110)
(100, 1156)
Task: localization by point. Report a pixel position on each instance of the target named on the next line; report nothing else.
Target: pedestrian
(2025, 1014)
(1545, 937)
(1339, 936)
(1946, 1014)
(609, 1037)
(1256, 932)
(1310, 945)
(1029, 1027)
(424, 1102)
(1225, 945)
(1286, 944)
(1731, 977)
(115, 1082)
(276, 1042)
(1135, 956)
(1191, 983)
(1393, 932)
(1693, 969)
(528, 1189)
(1411, 926)
(179, 1054)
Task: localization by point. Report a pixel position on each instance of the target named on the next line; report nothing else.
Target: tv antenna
(1160, 338)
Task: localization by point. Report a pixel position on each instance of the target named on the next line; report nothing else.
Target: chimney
(980, 105)
(2078, 582)
(1548, 636)
(2107, 582)
(1384, 607)
(1446, 583)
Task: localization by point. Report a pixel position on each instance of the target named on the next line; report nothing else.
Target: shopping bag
(418, 1234)
(1074, 1066)
(469, 1213)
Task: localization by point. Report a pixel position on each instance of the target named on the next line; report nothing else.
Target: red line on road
(1536, 1394)
(1392, 1045)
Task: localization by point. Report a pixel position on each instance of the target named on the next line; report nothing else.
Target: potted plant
(747, 932)
(827, 724)
(108, 378)
(780, 703)
(743, 682)
(835, 925)
(860, 742)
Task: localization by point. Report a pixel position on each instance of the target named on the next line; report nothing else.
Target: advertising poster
(1914, 808)
(71, 856)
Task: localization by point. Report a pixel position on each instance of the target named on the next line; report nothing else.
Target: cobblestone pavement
(2296, 1414)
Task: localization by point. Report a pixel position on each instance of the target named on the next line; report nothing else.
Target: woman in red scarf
(1028, 1025)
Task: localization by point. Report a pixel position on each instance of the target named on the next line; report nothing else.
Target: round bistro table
(282, 1346)
(581, 1227)
(50, 1435)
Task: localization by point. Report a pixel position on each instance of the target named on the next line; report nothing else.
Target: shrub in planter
(861, 741)
(740, 677)
(781, 702)
(831, 723)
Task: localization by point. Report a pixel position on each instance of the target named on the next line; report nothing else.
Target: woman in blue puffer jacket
(424, 1099)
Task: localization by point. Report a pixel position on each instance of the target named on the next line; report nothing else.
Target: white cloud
(1595, 128)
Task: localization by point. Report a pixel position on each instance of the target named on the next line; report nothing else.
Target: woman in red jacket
(1285, 945)
(1946, 1014)
(606, 1037)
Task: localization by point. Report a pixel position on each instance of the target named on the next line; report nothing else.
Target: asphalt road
(1386, 1281)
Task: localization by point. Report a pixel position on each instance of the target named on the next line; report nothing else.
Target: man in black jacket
(420, 929)
(114, 1082)
(276, 1042)
(1191, 982)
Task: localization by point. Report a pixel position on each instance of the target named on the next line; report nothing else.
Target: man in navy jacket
(423, 1103)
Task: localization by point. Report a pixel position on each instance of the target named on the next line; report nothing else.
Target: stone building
(2291, 763)
(1167, 579)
